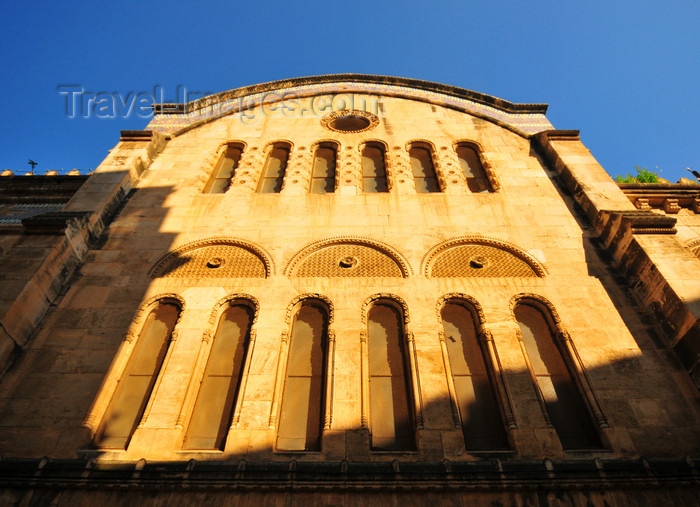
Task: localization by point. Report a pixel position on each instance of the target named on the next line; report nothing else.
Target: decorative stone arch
(440, 173)
(269, 144)
(198, 371)
(210, 162)
(542, 303)
(694, 247)
(570, 356)
(292, 309)
(217, 257)
(483, 158)
(461, 298)
(470, 256)
(232, 299)
(410, 358)
(121, 358)
(299, 300)
(146, 307)
(344, 255)
(387, 160)
(491, 359)
(399, 302)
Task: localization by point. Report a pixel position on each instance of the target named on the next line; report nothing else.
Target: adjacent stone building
(346, 289)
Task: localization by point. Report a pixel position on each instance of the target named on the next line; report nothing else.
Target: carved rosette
(448, 170)
(349, 167)
(298, 173)
(399, 170)
(249, 169)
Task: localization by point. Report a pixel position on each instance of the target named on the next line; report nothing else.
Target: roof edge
(463, 93)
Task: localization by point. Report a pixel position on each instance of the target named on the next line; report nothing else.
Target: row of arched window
(391, 401)
(374, 173)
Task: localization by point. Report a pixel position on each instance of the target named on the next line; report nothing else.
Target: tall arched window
(218, 391)
(303, 398)
(469, 160)
(556, 387)
(423, 169)
(273, 172)
(391, 416)
(224, 170)
(478, 409)
(323, 174)
(136, 383)
(374, 169)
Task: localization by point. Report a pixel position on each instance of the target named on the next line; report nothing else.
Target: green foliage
(644, 175)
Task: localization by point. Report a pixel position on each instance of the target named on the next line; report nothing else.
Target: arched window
(374, 169)
(391, 417)
(224, 170)
(478, 408)
(556, 387)
(323, 174)
(273, 172)
(218, 391)
(469, 160)
(136, 383)
(423, 169)
(303, 398)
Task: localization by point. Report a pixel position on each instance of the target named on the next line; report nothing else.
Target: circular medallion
(350, 121)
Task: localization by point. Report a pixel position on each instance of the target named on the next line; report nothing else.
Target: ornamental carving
(214, 258)
(348, 257)
(479, 257)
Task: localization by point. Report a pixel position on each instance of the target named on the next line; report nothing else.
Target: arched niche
(348, 257)
(479, 257)
(214, 258)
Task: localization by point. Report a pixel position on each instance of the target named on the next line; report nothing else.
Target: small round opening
(215, 262)
(350, 123)
(348, 262)
(478, 262)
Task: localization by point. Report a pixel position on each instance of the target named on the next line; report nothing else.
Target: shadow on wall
(46, 394)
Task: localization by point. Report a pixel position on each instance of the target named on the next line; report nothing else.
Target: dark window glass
(300, 423)
(224, 171)
(389, 395)
(473, 170)
(567, 409)
(218, 391)
(481, 420)
(273, 173)
(423, 170)
(136, 383)
(323, 176)
(373, 170)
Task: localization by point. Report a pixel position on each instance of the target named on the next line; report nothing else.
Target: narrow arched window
(473, 169)
(478, 409)
(323, 174)
(218, 391)
(303, 397)
(273, 172)
(374, 169)
(391, 418)
(423, 169)
(563, 401)
(224, 170)
(136, 383)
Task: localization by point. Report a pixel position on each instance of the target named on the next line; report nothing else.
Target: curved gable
(175, 119)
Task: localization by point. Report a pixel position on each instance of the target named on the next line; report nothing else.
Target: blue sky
(627, 74)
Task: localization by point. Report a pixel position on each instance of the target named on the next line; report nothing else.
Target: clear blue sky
(626, 73)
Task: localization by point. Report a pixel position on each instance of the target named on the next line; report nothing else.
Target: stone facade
(612, 271)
